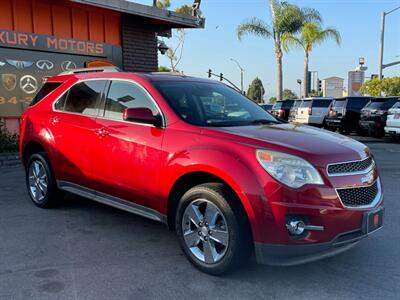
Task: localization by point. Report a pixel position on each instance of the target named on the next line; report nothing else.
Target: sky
(358, 21)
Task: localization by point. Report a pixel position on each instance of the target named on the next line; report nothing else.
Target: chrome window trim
(374, 202)
(111, 201)
(164, 123)
(367, 170)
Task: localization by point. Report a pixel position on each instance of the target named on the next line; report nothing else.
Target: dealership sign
(28, 59)
(13, 39)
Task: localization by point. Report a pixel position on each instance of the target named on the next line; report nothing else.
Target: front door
(129, 153)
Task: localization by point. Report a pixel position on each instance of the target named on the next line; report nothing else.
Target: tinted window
(305, 103)
(211, 104)
(397, 105)
(321, 103)
(277, 105)
(124, 95)
(59, 105)
(83, 98)
(296, 104)
(374, 104)
(388, 104)
(357, 103)
(47, 88)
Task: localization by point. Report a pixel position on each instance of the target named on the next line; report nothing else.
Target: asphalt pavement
(85, 250)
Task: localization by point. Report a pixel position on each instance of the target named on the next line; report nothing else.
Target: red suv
(205, 160)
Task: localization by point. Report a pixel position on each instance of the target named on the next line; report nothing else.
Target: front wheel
(212, 229)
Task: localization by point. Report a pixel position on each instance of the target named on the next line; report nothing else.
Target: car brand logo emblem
(9, 81)
(19, 64)
(369, 178)
(68, 65)
(28, 84)
(44, 64)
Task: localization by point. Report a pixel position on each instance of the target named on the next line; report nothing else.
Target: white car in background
(313, 111)
(393, 121)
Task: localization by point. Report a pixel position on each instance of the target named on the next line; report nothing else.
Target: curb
(9, 160)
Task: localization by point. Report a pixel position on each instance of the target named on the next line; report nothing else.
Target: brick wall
(139, 45)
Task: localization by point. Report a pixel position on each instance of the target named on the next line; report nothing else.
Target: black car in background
(374, 115)
(345, 113)
(281, 109)
(267, 107)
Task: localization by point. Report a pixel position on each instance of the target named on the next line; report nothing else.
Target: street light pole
(381, 65)
(241, 73)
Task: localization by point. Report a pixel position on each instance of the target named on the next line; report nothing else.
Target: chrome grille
(350, 167)
(360, 196)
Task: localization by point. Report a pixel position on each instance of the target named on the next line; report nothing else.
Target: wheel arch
(194, 178)
(31, 148)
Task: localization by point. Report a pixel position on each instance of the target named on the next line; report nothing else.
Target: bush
(8, 142)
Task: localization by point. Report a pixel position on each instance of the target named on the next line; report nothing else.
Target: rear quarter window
(357, 103)
(306, 103)
(321, 103)
(47, 89)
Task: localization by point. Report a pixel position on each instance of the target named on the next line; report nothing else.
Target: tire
(40, 181)
(361, 132)
(229, 226)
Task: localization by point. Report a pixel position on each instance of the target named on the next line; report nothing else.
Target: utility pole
(381, 65)
(241, 74)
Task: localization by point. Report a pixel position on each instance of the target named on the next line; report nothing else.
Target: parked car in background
(267, 107)
(374, 115)
(393, 121)
(294, 110)
(281, 109)
(345, 113)
(313, 111)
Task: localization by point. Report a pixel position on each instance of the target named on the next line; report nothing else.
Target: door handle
(54, 120)
(102, 132)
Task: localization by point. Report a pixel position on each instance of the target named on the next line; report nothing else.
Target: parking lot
(85, 250)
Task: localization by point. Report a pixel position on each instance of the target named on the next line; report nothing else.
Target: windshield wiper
(263, 121)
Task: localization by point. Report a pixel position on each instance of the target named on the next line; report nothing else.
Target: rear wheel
(212, 230)
(40, 181)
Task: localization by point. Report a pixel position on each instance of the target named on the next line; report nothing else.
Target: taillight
(281, 113)
(310, 110)
(343, 111)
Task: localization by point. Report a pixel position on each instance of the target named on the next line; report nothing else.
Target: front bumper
(392, 130)
(289, 255)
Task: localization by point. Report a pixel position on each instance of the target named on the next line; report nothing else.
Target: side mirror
(141, 115)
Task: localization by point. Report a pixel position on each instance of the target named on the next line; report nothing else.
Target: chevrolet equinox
(227, 176)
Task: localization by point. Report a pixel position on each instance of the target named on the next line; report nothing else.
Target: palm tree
(286, 19)
(311, 34)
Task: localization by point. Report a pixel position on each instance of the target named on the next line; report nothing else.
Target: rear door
(302, 113)
(74, 128)
(319, 111)
(129, 153)
(393, 119)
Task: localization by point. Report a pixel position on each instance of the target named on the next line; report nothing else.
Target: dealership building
(42, 38)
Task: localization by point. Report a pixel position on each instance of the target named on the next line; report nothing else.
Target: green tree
(310, 35)
(287, 19)
(272, 100)
(163, 4)
(256, 90)
(288, 94)
(389, 86)
(163, 69)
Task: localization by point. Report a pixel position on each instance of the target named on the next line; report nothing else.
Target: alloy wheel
(38, 181)
(205, 231)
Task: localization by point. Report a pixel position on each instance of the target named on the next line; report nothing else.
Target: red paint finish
(141, 163)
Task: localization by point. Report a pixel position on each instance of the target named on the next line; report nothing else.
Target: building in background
(356, 80)
(332, 87)
(41, 38)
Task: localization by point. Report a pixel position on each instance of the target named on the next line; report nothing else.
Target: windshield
(212, 104)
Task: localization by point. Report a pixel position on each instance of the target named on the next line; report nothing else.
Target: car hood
(316, 145)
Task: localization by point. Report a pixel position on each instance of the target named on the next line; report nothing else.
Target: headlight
(291, 170)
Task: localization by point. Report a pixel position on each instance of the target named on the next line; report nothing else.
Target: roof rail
(91, 70)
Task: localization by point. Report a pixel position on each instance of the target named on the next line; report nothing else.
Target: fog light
(296, 227)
